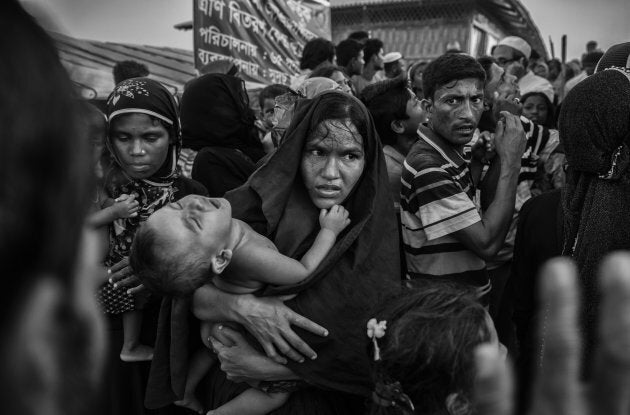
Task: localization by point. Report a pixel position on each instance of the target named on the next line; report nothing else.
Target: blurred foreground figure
(51, 348)
(558, 389)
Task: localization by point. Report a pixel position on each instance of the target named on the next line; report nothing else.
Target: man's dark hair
(129, 69)
(317, 51)
(448, 68)
(271, 92)
(360, 36)
(161, 274)
(387, 101)
(347, 50)
(372, 47)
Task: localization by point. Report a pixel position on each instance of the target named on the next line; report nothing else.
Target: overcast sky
(150, 22)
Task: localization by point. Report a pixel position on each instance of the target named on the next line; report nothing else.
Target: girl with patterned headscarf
(143, 139)
(595, 131)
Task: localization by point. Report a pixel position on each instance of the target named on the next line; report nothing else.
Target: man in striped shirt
(444, 234)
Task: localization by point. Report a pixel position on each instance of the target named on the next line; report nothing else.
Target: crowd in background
(372, 238)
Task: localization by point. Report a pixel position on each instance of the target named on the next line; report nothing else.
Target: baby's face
(194, 225)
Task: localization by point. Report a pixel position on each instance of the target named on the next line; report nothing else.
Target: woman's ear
(222, 260)
(427, 105)
(456, 404)
(397, 126)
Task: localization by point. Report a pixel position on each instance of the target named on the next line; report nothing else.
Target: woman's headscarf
(215, 113)
(141, 96)
(315, 86)
(362, 267)
(595, 131)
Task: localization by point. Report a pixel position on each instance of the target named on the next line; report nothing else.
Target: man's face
(415, 112)
(455, 110)
(378, 60)
(357, 64)
(508, 59)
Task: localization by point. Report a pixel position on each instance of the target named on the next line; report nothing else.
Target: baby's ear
(221, 260)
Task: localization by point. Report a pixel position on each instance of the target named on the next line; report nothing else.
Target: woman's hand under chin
(241, 362)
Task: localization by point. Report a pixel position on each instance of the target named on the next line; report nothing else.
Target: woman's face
(535, 108)
(141, 144)
(332, 162)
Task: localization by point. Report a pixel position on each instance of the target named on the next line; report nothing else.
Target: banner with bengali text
(264, 38)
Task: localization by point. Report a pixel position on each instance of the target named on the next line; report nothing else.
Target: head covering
(517, 43)
(141, 96)
(616, 56)
(215, 113)
(392, 57)
(315, 86)
(358, 271)
(595, 131)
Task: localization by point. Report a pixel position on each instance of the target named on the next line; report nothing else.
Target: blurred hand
(558, 389)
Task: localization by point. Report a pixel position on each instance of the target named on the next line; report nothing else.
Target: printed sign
(264, 38)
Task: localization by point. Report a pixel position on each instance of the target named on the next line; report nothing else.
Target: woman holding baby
(307, 338)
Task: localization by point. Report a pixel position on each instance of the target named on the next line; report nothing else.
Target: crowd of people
(376, 238)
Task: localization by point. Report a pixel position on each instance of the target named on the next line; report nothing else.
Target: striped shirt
(437, 200)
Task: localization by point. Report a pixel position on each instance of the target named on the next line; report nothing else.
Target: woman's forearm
(277, 372)
(212, 304)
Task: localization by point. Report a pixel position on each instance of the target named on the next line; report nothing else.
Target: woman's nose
(137, 148)
(331, 169)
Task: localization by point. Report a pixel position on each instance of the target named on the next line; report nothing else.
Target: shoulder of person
(423, 155)
(187, 187)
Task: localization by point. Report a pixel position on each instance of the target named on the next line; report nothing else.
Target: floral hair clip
(376, 330)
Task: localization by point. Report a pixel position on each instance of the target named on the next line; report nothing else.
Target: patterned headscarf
(141, 96)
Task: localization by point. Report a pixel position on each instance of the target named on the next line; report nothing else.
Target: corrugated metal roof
(90, 64)
(344, 3)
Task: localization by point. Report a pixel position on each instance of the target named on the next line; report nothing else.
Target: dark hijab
(595, 131)
(362, 267)
(215, 113)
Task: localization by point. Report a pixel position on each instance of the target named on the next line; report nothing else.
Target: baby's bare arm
(270, 266)
(102, 217)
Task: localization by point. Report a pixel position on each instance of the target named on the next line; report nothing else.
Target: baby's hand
(126, 206)
(335, 219)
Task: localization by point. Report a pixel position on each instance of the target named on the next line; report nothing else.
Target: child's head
(395, 108)
(183, 244)
(428, 346)
(267, 101)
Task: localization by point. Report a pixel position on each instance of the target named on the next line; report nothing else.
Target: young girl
(196, 240)
(109, 213)
(422, 350)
